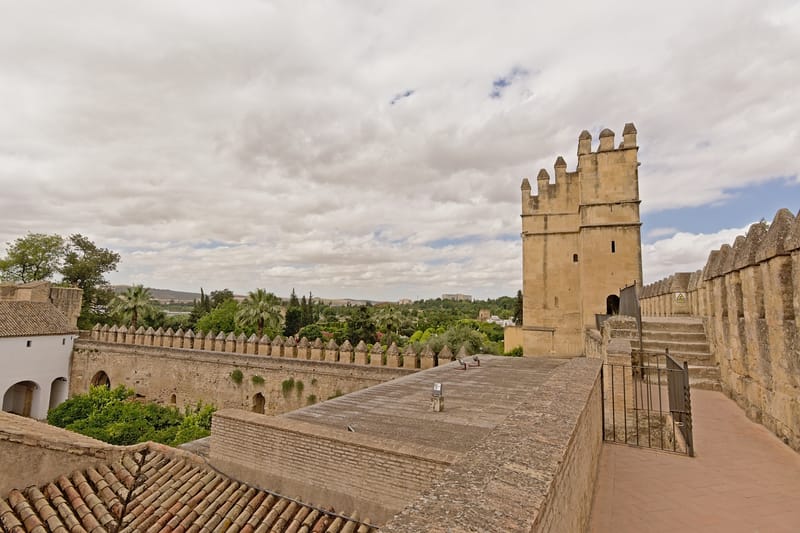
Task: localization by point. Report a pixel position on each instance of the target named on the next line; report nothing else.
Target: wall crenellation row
(288, 347)
(749, 296)
(563, 192)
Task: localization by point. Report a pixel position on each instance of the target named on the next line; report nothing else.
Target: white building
(35, 346)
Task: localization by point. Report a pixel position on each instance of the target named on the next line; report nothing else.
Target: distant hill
(168, 295)
(163, 295)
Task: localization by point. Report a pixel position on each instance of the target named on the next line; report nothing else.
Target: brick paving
(743, 479)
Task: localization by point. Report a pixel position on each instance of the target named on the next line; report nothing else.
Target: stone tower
(581, 243)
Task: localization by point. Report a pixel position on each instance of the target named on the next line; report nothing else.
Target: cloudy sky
(375, 149)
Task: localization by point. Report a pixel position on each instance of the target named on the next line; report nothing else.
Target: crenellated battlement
(605, 174)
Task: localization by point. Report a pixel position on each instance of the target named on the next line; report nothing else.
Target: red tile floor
(743, 479)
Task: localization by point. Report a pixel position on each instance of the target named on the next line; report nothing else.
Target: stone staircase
(685, 338)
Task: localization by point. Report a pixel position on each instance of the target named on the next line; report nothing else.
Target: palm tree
(390, 319)
(260, 309)
(135, 302)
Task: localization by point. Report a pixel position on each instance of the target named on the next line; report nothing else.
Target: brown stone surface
(377, 449)
(743, 479)
(476, 400)
(534, 472)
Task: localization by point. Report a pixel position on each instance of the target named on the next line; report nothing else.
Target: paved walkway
(743, 479)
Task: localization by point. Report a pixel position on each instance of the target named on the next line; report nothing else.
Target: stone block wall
(183, 376)
(323, 465)
(749, 297)
(34, 453)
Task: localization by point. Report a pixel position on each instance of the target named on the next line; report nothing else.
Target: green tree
(31, 258)
(221, 318)
(518, 309)
(200, 308)
(134, 303)
(84, 267)
(361, 326)
(220, 297)
(311, 332)
(294, 316)
(260, 309)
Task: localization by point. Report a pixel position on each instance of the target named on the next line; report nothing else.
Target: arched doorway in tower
(20, 397)
(100, 379)
(258, 403)
(612, 304)
(58, 392)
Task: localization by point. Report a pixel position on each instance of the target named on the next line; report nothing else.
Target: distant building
(457, 297)
(484, 315)
(405, 301)
(504, 322)
(36, 337)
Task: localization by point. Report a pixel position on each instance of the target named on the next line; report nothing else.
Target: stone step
(689, 336)
(690, 357)
(674, 324)
(676, 347)
(700, 376)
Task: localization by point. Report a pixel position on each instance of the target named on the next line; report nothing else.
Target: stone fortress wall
(288, 348)
(749, 297)
(185, 376)
(184, 367)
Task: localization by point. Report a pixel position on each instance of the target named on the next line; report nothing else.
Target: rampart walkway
(743, 479)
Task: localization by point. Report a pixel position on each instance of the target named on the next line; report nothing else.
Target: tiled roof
(159, 489)
(23, 319)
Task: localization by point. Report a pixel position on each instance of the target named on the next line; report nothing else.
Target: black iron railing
(648, 404)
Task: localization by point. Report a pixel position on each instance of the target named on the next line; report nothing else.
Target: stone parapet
(288, 348)
(748, 295)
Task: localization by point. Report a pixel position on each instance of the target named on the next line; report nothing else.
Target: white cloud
(660, 232)
(156, 127)
(683, 252)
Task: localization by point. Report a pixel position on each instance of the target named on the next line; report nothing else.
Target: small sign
(437, 389)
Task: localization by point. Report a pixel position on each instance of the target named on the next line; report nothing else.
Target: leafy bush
(237, 376)
(257, 380)
(299, 386)
(82, 405)
(311, 399)
(286, 387)
(113, 416)
(514, 352)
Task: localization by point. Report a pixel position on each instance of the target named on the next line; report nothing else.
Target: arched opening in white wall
(20, 398)
(258, 403)
(100, 379)
(58, 392)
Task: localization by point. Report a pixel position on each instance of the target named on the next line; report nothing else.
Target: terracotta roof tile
(24, 319)
(160, 490)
